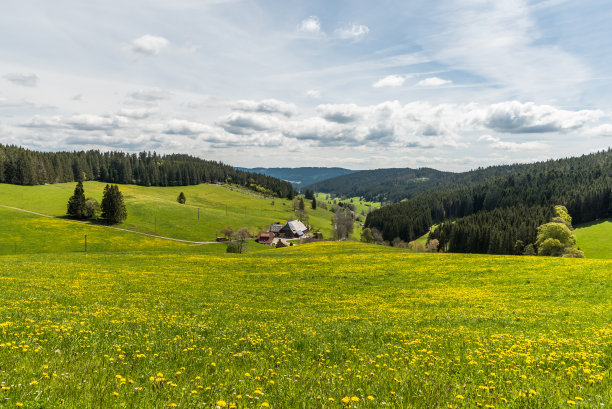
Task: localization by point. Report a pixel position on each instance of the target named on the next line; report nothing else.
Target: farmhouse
(292, 229)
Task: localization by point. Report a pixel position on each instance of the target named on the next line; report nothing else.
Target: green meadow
(595, 239)
(209, 208)
(325, 325)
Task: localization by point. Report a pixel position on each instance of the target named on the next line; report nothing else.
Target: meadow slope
(156, 210)
(595, 238)
(312, 326)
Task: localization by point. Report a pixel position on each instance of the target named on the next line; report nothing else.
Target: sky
(451, 84)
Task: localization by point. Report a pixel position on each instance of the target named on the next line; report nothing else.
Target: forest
(393, 185)
(21, 166)
(506, 208)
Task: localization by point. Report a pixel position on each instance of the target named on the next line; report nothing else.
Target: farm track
(110, 227)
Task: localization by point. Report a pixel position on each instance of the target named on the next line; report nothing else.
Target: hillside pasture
(156, 210)
(595, 239)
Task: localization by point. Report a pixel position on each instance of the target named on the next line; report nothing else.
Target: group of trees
(112, 209)
(493, 216)
(238, 240)
(26, 167)
(80, 207)
(498, 231)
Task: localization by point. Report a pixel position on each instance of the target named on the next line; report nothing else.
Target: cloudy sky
(452, 84)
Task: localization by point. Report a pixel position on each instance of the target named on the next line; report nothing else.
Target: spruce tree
(113, 208)
(76, 203)
(314, 204)
(181, 198)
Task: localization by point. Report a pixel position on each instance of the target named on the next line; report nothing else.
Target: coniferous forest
(26, 167)
(491, 217)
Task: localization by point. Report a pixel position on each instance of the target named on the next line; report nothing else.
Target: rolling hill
(156, 210)
(397, 184)
(501, 213)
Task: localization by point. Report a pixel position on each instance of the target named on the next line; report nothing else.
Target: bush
(571, 252)
(529, 250)
(551, 247)
(92, 208)
(432, 246)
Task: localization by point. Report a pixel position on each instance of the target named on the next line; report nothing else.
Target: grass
(24, 233)
(360, 205)
(595, 239)
(156, 210)
(304, 327)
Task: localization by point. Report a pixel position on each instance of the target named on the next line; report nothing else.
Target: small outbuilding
(265, 237)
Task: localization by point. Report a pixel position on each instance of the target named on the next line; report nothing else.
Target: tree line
(516, 202)
(22, 166)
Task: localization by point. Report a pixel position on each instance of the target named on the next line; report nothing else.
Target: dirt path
(109, 227)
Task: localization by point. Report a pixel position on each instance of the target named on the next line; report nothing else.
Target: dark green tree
(301, 204)
(113, 208)
(181, 198)
(314, 204)
(76, 203)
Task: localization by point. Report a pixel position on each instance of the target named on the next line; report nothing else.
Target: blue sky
(450, 84)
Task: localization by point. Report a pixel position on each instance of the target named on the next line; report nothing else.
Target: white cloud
(137, 113)
(23, 79)
(390, 81)
(517, 117)
(184, 127)
(433, 82)
(314, 93)
(149, 95)
(148, 45)
(354, 32)
(269, 106)
(245, 123)
(497, 143)
(78, 122)
(310, 25)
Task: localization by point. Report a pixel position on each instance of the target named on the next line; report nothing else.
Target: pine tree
(181, 198)
(301, 204)
(314, 204)
(76, 203)
(113, 208)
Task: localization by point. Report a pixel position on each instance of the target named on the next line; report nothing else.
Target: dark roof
(275, 227)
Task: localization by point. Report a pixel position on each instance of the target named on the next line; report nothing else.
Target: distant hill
(301, 177)
(396, 184)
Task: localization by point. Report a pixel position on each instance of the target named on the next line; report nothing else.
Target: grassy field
(24, 233)
(328, 325)
(155, 209)
(360, 205)
(595, 239)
